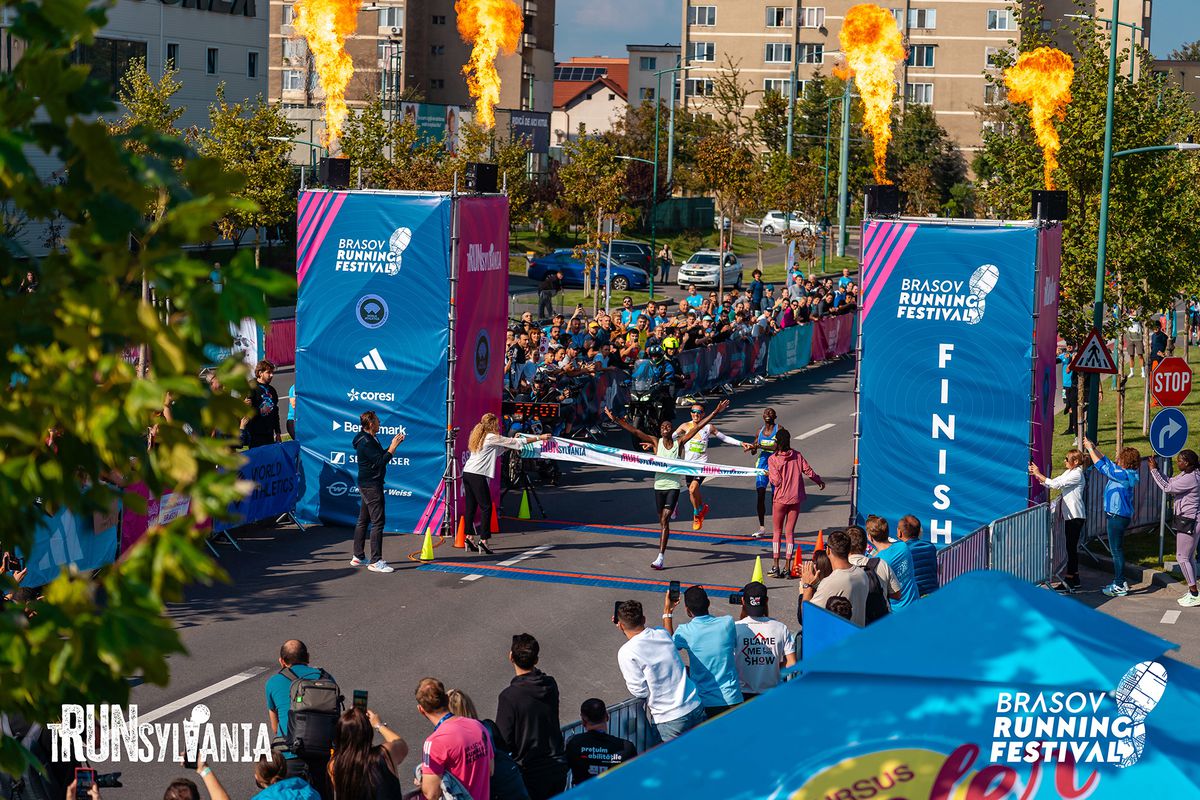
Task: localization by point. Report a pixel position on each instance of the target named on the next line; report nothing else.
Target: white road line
(815, 431)
(1169, 617)
(195, 697)
(514, 560)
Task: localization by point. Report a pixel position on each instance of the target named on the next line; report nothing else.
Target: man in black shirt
(262, 427)
(595, 750)
(527, 720)
(372, 466)
(550, 286)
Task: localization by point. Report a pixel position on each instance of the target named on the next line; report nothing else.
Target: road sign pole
(1162, 517)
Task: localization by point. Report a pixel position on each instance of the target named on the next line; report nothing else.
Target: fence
(965, 555)
(1019, 544)
(1147, 506)
(627, 720)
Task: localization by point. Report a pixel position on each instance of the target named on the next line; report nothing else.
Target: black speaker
(883, 200)
(1053, 203)
(481, 178)
(334, 173)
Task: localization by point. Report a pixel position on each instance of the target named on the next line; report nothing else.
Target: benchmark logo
(480, 260)
(372, 361)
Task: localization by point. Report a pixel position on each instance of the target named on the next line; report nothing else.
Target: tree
(926, 160)
(770, 122)
(592, 182)
(1186, 52)
(728, 170)
(148, 105)
(366, 141)
(728, 102)
(252, 141)
(74, 413)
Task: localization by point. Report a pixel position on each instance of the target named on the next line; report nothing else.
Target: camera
(735, 599)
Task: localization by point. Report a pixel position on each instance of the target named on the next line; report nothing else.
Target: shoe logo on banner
(373, 255)
(385, 397)
(396, 245)
(945, 300)
(372, 361)
(336, 458)
(371, 311)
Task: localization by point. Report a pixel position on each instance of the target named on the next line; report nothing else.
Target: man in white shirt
(763, 645)
(846, 580)
(652, 669)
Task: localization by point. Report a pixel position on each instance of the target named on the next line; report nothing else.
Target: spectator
(550, 286)
(694, 298)
(665, 259)
(372, 467)
(764, 645)
(1184, 488)
(262, 427)
(1158, 345)
(1135, 346)
(710, 643)
(840, 606)
(1071, 485)
(358, 769)
(1070, 393)
(293, 663)
(458, 753)
(180, 788)
(291, 412)
(595, 750)
(846, 579)
(845, 280)
(271, 777)
(884, 586)
(629, 314)
(899, 561)
(652, 669)
(527, 721)
(507, 783)
(924, 554)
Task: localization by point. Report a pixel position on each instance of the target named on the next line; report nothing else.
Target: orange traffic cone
(799, 557)
(460, 538)
(495, 525)
(820, 545)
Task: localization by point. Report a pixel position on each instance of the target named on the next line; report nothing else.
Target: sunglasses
(697, 410)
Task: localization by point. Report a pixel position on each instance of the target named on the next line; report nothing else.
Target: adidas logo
(371, 361)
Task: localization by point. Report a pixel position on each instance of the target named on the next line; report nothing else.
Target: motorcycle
(649, 400)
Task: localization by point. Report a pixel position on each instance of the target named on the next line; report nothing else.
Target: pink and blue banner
(1045, 383)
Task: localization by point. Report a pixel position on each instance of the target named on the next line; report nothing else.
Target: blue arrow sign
(1168, 432)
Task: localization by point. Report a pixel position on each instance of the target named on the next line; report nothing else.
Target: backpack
(31, 784)
(313, 710)
(877, 602)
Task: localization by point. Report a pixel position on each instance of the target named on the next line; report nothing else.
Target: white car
(773, 222)
(700, 270)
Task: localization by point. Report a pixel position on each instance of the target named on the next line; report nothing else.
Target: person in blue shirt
(1070, 396)
(291, 417)
(1122, 476)
(924, 554)
(293, 656)
(756, 290)
(710, 644)
(900, 560)
(629, 314)
(694, 298)
(845, 280)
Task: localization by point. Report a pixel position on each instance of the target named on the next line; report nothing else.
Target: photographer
(372, 466)
(186, 789)
(13, 567)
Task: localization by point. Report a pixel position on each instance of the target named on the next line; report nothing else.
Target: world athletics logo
(483, 355)
(371, 311)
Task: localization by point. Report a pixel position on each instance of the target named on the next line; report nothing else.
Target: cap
(708, 317)
(754, 596)
(593, 324)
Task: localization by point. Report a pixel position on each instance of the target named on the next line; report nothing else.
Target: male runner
(696, 451)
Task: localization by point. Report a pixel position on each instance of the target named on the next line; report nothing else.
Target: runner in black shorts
(666, 484)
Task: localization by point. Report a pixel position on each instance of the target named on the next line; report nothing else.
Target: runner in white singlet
(696, 450)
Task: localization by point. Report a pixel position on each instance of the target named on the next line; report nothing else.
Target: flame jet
(1042, 79)
(325, 24)
(491, 27)
(873, 48)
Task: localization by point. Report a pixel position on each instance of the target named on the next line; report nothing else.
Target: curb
(1149, 575)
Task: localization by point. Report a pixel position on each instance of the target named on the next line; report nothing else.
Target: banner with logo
(534, 126)
(159, 511)
(708, 367)
(945, 373)
(482, 314)
(85, 541)
(1045, 385)
(832, 337)
(558, 449)
(371, 335)
(791, 349)
(272, 470)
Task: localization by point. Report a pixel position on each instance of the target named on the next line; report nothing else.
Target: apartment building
(952, 45)
(645, 61)
(1184, 74)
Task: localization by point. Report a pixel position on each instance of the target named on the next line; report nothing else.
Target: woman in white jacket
(485, 445)
(1070, 483)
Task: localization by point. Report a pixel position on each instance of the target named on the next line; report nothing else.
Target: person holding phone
(1123, 477)
(667, 485)
(1070, 483)
(484, 446)
(360, 769)
(373, 460)
(1184, 488)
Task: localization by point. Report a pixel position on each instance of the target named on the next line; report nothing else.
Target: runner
(764, 445)
(697, 452)
(666, 484)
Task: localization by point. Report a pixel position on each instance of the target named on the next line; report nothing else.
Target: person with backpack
(763, 645)
(507, 783)
(845, 580)
(884, 586)
(303, 706)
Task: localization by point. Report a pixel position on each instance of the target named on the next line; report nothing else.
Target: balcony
(531, 8)
(528, 41)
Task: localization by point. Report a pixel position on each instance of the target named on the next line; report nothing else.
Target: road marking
(1169, 617)
(559, 576)
(651, 533)
(195, 697)
(514, 560)
(815, 431)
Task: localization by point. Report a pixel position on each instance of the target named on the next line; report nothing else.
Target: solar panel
(579, 73)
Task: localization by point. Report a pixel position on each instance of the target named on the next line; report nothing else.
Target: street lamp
(670, 152)
(313, 147)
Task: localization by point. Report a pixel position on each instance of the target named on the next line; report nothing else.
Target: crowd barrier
(965, 555)
(627, 720)
(1019, 544)
(85, 541)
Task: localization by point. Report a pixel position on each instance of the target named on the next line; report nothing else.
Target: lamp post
(312, 151)
(1130, 25)
(844, 177)
(670, 148)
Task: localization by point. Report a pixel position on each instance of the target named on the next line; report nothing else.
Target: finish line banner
(945, 373)
(558, 449)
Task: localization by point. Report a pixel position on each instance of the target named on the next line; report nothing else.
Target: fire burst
(325, 24)
(1042, 79)
(491, 27)
(873, 48)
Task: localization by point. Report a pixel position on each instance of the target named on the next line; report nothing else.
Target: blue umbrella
(944, 701)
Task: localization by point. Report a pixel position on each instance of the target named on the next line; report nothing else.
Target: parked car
(637, 254)
(722, 223)
(700, 270)
(625, 277)
(774, 222)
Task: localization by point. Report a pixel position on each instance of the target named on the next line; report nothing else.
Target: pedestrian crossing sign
(1093, 356)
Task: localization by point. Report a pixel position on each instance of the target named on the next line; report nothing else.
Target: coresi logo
(385, 397)
(373, 255)
(946, 300)
(480, 260)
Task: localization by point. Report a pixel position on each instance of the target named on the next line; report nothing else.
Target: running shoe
(1189, 600)
(1115, 590)
(380, 566)
(700, 518)
(696, 521)
(358, 562)
(761, 533)
(776, 572)
(658, 563)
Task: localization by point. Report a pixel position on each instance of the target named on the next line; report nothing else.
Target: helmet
(654, 352)
(671, 343)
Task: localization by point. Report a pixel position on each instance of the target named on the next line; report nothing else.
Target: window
(779, 16)
(702, 51)
(173, 54)
(998, 128)
(996, 57)
(252, 64)
(210, 61)
(109, 58)
(777, 85)
(994, 94)
(1000, 19)
(922, 18)
(437, 83)
(294, 49)
(811, 53)
(437, 49)
(812, 17)
(778, 53)
(439, 19)
(611, 97)
(699, 87)
(647, 63)
(920, 55)
(702, 15)
(646, 93)
(292, 81)
(289, 14)
(1047, 25)
(920, 94)
(898, 15)
(391, 17)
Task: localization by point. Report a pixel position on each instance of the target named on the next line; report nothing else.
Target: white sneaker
(1116, 590)
(658, 562)
(761, 533)
(1189, 600)
(380, 566)
(358, 562)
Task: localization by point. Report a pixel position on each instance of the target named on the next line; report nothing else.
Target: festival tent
(921, 705)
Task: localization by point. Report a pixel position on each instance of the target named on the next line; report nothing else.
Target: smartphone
(735, 599)
(190, 762)
(673, 591)
(616, 608)
(360, 699)
(85, 779)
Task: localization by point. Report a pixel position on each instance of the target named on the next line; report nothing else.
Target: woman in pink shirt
(786, 469)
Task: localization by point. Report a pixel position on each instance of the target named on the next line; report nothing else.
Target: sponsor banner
(832, 337)
(437, 123)
(706, 368)
(159, 511)
(272, 469)
(791, 349)
(1045, 384)
(586, 453)
(366, 342)
(945, 373)
(280, 346)
(534, 126)
(65, 538)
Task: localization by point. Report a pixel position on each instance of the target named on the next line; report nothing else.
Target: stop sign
(1171, 381)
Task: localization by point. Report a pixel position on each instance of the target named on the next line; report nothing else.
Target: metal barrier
(965, 555)
(627, 720)
(1019, 544)
(1147, 504)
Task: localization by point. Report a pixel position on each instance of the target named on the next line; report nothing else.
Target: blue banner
(945, 371)
(791, 349)
(66, 538)
(272, 469)
(371, 335)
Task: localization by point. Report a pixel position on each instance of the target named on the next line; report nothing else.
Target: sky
(604, 27)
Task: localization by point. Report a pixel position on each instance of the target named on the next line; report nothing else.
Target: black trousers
(478, 498)
(370, 511)
(545, 305)
(1071, 400)
(545, 781)
(1073, 529)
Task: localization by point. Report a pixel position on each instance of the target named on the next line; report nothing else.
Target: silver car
(700, 270)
